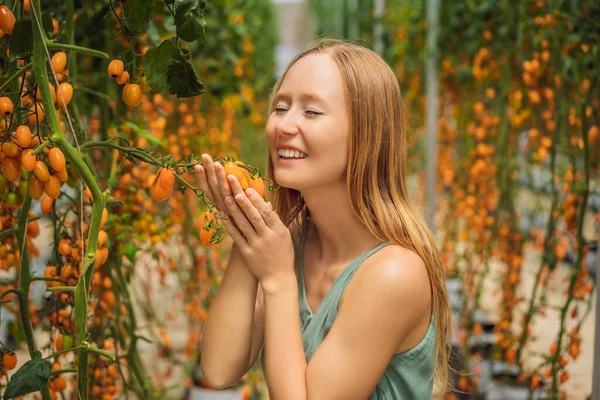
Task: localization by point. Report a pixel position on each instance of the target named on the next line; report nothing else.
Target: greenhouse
(294, 199)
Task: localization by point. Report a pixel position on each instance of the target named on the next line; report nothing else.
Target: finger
(224, 188)
(202, 182)
(233, 230)
(238, 215)
(269, 216)
(251, 212)
(211, 177)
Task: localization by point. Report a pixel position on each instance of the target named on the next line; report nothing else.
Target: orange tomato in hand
(242, 175)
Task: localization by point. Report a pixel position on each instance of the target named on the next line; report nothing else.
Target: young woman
(341, 280)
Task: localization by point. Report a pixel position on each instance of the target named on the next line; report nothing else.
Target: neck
(335, 230)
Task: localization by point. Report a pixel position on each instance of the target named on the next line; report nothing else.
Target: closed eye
(313, 112)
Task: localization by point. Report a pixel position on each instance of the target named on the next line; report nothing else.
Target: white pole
(596, 373)
(432, 89)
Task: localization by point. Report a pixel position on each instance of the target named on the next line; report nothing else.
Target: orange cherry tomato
(240, 173)
(62, 176)
(123, 79)
(10, 149)
(206, 227)
(41, 171)
(24, 136)
(115, 68)
(6, 104)
(159, 193)
(258, 184)
(52, 187)
(57, 159)
(11, 168)
(59, 61)
(28, 160)
(46, 205)
(7, 20)
(36, 188)
(64, 94)
(132, 94)
(9, 359)
(26, 5)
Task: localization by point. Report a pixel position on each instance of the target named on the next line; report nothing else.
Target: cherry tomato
(24, 136)
(57, 159)
(115, 68)
(206, 227)
(7, 20)
(6, 104)
(52, 187)
(123, 79)
(132, 94)
(36, 188)
(41, 171)
(28, 160)
(11, 168)
(26, 5)
(59, 61)
(10, 149)
(46, 204)
(258, 184)
(159, 192)
(64, 94)
(240, 173)
(62, 176)
(10, 359)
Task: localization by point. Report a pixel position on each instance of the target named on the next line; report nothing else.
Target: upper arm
(380, 309)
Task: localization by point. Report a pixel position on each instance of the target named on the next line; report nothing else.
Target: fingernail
(250, 192)
(229, 200)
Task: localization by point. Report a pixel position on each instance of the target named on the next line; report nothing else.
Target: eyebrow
(305, 95)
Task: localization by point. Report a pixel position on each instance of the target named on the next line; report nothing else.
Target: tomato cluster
(248, 177)
(132, 92)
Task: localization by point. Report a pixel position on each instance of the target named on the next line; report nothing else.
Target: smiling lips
(291, 153)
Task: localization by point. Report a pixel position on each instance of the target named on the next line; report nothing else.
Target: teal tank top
(409, 374)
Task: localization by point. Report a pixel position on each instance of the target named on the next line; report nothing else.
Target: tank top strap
(351, 269)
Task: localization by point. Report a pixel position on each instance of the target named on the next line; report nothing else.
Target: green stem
(15, 76)
(39, 149)
(63, 371)
(25, 281)
(79, 49)
(74, 158)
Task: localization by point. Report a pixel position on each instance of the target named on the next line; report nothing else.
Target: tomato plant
(109, 167)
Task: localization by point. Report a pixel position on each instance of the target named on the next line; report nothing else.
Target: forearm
(285, 360)
(227, 334)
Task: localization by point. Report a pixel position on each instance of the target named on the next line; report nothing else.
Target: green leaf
(47, 23)
(156, 63)
(182, 79)
(130, 250)
(189, 20)
(31, 377)
(137, 14)
(21, 40)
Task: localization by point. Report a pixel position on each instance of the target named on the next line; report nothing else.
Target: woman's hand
(213, 181)
(264, 241)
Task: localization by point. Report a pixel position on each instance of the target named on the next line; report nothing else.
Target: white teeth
(291, 153)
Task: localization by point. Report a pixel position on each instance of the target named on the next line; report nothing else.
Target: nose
(287, 124)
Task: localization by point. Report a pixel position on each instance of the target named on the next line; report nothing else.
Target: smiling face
(310, 115)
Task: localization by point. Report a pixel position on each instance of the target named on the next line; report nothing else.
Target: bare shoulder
(395, 275)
